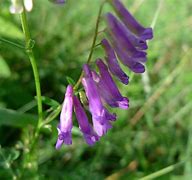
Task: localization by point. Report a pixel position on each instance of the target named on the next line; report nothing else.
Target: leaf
(16, 119)
(4, 69)
(70, 80)
(7, 156)
(10, 30)
(49, 101)
(12, 155)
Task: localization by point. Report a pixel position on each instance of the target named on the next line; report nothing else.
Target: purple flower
(84, 124)
(113, 63)
(131, 22)
(108, 88)
(135, 66)
(119, 35)
(116, 25)
(101, 128)
(100, 115)
(66, 124)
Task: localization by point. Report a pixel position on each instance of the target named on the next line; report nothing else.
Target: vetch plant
(124, 41)
(109, 103)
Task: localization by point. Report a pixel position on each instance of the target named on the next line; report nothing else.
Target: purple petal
(113, 63)
(108, 115)
(109, 91)
(100, 115)
(91, 139)
(66, 124)
(120, 37)
(131, 22)
(84, 124)
(121, 40)
(138, 68)
(67, 110)
(101, 129)
(95, 104)
(63, 137)
(132, 63)
(115, 26)
(58, 143)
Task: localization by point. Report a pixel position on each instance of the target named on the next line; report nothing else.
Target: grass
(151, 140)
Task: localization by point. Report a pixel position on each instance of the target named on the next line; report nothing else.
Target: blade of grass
(179, 115)
(162, 171)
(173, 102)
(163, 87)
(11, 43)
(145, 75)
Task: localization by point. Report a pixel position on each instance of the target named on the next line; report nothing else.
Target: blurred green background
(155, 132)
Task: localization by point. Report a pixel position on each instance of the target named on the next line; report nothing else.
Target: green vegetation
(153, 136)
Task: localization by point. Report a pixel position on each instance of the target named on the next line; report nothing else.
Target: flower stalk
(93, 44)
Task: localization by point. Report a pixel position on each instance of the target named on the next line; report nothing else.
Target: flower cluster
(127, 42)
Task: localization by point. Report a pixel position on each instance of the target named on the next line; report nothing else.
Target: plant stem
(93, 43)
(29, 51)
(29, 43)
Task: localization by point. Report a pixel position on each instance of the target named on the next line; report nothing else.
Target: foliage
(153, 133)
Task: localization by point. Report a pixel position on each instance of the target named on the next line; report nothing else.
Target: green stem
(29, 51)
(93, 43)
(37, 84)
(11, 43)
(29, 43)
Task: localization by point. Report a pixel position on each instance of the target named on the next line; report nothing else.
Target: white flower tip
(15, 9)
(28, 5)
